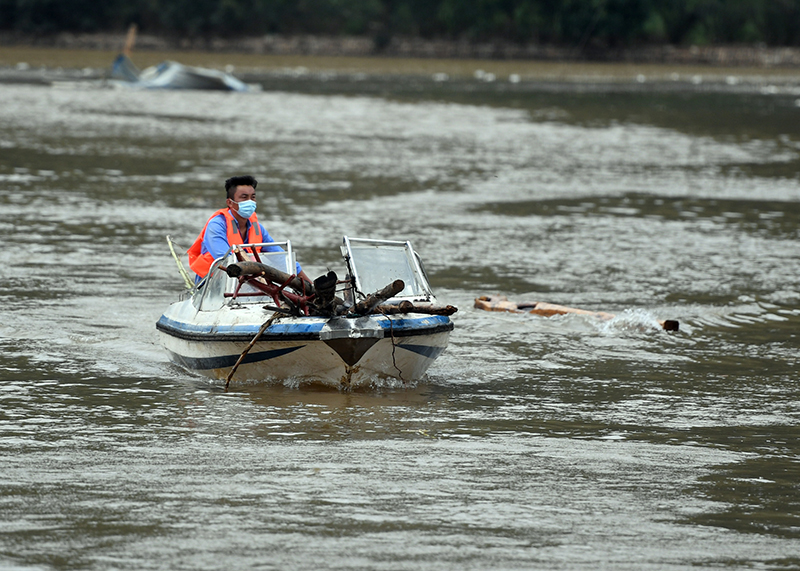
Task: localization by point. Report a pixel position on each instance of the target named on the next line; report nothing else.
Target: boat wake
(631, 321)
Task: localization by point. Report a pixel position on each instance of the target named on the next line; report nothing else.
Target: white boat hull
(340, 352)
(173, 75)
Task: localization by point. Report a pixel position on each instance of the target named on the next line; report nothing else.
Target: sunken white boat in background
(209, 331)
(173, 75)
(169, 74)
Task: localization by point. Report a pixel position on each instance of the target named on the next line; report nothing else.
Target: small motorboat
(173, 75)
(253, 319)
(170, 74)
(501, 303)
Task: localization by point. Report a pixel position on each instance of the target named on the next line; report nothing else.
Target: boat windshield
(218, 289)
(282, 258)
(377, 263)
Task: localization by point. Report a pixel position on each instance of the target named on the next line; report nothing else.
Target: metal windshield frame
(416, 266)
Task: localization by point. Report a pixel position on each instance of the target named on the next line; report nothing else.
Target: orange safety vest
(201, 263)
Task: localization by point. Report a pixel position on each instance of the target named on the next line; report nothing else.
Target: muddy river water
(534, 443)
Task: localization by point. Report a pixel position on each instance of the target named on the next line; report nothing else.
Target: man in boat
(235, 224)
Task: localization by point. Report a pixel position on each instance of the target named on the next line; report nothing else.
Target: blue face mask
(246, 208)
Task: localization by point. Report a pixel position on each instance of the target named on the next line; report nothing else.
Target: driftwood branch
(408, 307)
(501, 303)
(372, 300)
(372, 303)
(273, 274)
(325, 300)
(264, 327)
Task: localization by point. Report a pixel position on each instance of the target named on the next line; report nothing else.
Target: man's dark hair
(234, 181)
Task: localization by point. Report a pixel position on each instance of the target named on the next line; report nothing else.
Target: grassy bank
(480, 69)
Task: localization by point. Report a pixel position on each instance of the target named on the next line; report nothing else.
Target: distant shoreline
(723, 56)
(346, 65)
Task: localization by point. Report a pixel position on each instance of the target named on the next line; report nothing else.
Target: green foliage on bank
(606, 23)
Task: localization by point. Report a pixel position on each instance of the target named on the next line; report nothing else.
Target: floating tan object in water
(501, 303)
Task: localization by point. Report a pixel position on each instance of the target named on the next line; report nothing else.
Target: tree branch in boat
(408, 307)
(365, 306)
(273, 274)
(325, 301)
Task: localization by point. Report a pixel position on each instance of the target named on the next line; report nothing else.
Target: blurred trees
(607, 23)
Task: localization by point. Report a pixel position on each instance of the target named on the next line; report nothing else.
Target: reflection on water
(753, 216)
(563, 442)
(760, 494)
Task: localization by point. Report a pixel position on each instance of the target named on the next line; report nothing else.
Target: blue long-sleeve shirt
(215, 241)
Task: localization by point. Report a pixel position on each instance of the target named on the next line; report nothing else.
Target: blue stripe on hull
(225, 361)
(406, 324)
(299, 328)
